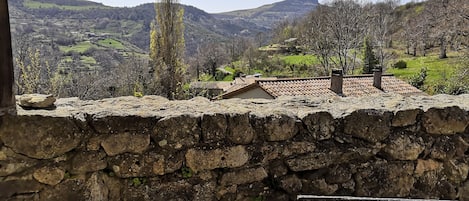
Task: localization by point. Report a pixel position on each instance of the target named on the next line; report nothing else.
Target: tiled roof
(352, 86)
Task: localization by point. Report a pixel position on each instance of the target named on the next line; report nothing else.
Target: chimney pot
(337, 81)
(377, 77)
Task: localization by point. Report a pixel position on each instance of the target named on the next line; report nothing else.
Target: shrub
(400, 64)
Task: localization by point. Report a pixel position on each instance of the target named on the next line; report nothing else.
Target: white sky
(210, 6)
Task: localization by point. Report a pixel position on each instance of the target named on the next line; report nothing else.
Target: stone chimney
(377, 77)
(337, 81)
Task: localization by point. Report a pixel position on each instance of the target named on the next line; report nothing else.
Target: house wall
(254, 93)
(153, 149)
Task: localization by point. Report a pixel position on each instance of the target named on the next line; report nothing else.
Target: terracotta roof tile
(353, 86)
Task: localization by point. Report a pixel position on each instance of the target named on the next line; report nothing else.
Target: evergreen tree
(369, 59)
(167, 48)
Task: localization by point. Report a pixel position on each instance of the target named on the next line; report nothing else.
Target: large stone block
(126, 143)
(49, 175)
(240, 130)
(404, 147)
(276, 127)
(177, 132)
(230, 157)
(11, 162)
(445, 121)
(320, 125)
(319, 160)
(214, 128)
(406, 117)
(84, 162)
(40, 137)
(19, 187)
(119, 124)
(370, 125)
(385, 179)
(130, 165)
(245, 176)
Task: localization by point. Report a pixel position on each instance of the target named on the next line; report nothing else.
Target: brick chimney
(337, 81)
(377, 77)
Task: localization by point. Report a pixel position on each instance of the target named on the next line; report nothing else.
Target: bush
(400, 64)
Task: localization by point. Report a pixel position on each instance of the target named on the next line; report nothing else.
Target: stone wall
(154, 149)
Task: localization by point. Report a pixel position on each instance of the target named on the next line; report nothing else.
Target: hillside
(268, 15)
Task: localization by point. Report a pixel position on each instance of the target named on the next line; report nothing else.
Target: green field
(436, 68)
(80, 47)
(111, 43)
(300, 60)
(37, 5)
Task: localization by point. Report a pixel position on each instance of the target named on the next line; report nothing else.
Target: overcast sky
(211, 6)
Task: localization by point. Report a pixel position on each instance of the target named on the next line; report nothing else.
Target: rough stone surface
(126, 143)
(370, 125)
(178, 132)
(49, 175)
(40, 137)
(385, 179)
(405, 147)
(243, 177)
(406, 118)
(37, 101)
(230, 157)
(320, 125)
(91, 161)
(379, 146)
(214, 128)
(446, 121)
(240, 130)
(276, 128)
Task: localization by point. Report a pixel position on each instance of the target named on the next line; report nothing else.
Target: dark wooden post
(7, 98)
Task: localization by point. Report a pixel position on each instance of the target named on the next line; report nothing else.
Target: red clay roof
(353, 86)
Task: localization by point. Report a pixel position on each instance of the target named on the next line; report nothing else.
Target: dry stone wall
(153, 149)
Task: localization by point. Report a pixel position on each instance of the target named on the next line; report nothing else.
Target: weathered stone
(11, 162)
(404, 147)
(338, 175)
(406, 118)
(320, 125)
(104, 124)
(446, 121)
(291, 184)
(179, 132)
(49, 175)
(464, 192)
(319, 187)
(96, 189)
(177, 191)
(277, 169)
(444, 148)
(72, 189)
(85, 162)
(370, 125)
(240, 130)
(320, 160)
(424, 166)
(205, 191)
(384, 179)
(94, 143)
(296, 148)
(243, 176)
(130, 166)
(37, 101)
(276, 128)
(40, 137)
(230, 157)
(19, 187)
(455, 171)
(214, 128)
(126, 143)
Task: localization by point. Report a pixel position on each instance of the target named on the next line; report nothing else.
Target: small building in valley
(335, 85)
